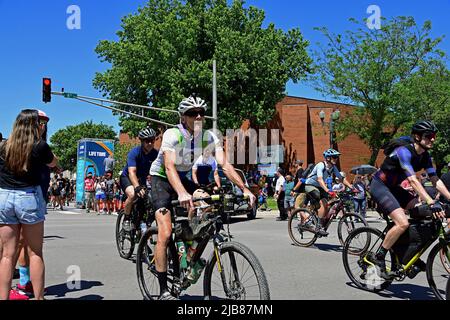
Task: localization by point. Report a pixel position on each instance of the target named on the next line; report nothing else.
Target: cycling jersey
(320, 170)
(403, 163)
(141, 161)
(187, 150)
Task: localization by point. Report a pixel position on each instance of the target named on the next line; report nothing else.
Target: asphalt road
(82, 246)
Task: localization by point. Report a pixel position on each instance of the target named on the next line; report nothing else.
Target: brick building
(304, 135)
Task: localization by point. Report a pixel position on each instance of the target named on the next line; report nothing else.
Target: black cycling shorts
(124, 183)
(389, 199)
(163, 194)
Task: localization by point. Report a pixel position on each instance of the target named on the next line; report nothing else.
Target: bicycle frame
(397, 263)
(217, 241)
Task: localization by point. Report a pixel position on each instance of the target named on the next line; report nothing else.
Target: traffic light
(46, 90)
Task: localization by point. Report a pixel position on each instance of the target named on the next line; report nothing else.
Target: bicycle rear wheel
(359, 244)
(348, 223)
(437, 273)
(242, 276)
(125, 240)
(300, 234)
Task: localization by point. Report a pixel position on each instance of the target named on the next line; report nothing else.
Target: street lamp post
(334, 117)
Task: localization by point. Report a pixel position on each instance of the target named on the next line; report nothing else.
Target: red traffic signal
(46, 90)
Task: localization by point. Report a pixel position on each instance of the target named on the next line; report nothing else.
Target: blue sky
(36, 43)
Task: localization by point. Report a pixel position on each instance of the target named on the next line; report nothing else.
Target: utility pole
(214, 102)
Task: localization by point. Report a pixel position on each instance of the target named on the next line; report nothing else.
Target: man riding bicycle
(134, 174)
(316, 187)
(180, 148)
(403, 163)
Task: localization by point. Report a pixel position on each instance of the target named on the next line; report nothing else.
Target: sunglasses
(195, 113)
(150, 140)
(335, 157)
(430, 135)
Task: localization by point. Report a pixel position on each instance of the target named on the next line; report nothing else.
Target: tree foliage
(121, 151)
(378, 70)
(429, 98)
(165, 52)
(64, 142)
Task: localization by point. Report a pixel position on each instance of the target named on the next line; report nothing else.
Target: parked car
(243, 207)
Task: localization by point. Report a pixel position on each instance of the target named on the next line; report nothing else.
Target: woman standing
(22, 203)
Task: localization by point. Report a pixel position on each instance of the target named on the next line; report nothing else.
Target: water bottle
(143, 227)
(196, 271)
(192, 250)
(182, 254)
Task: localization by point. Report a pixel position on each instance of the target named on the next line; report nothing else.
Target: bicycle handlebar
(214, 198)
(424, 211)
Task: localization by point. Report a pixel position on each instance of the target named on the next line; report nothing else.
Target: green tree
(120, 155)
(165, 53)
(65, 141)
(374, 68)
(428, 97)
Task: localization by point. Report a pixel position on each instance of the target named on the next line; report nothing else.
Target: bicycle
(142, 212)
(403, 259)
(305, 235)
(232, 270)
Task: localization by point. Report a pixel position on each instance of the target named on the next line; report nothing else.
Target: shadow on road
(404, 291)
(50, 238)
(60, 290)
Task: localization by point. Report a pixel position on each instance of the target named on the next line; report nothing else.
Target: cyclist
(316, 187)
(203, 167)
(180, 148)
(403, 163)
(134, 174)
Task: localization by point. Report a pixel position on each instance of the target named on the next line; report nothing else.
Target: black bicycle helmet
(423, 126)
(147, 133)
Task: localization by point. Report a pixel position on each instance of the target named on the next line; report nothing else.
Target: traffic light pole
(99, 102)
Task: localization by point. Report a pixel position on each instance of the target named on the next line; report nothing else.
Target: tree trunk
(373, 156)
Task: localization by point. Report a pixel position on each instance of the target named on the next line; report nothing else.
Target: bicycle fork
(230, 292)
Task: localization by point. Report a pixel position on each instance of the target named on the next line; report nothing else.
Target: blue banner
(91, 154)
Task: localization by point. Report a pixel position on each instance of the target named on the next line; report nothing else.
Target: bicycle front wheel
(146, 269)
(124, 239)
(359, 245)
(302, 234)
(348, 223)
(437, 273)
(240, 275)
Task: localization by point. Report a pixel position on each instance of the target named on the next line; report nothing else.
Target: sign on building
(273, 154)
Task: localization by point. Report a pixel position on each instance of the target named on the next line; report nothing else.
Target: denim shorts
(22, 206)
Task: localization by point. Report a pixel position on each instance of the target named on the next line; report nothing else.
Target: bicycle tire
(447, 296)
(121, 236)
(444, 260)
(300, 236)
(232, 249)
(353, 223)
(145, 262)
(367, 279)
(437, 274)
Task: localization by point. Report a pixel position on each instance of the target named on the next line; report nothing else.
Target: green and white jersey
(186, 147)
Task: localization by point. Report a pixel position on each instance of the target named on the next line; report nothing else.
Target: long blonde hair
(20, 144)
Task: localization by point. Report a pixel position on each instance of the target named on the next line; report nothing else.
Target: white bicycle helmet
(191, 103)
(147, 133)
